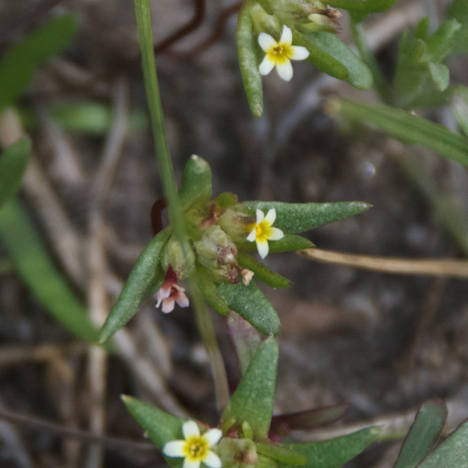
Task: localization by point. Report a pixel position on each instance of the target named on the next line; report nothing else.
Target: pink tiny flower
(170, 292)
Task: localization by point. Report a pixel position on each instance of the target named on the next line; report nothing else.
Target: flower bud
(235, 224)
(215, 248)
(180, 257)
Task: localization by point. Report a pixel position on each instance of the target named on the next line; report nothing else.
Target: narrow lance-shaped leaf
(38, 272)
(424, 431)
(458, 10)
(248, 62)
(294, 218)
(407, 127)
(251, 304)
(451, 453)
(13, 162)
(282, 453)
(288, 243)
(358, 73)
(209, 290)
(160, 426)
(144, 280)
(19, 63)
(253, 399)
(334, 453)
(196, 182)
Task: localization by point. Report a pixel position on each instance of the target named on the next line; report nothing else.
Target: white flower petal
(286, 36)
(167, 306)
(299, 53)
(252, 235)
(212, 460)
(213, 436)
(276, 234)
(260, 216)
(266, 66)
(271, 216)
(266, 42)
(262, 248)
(285, 70)
(182, 300)
(175, 448)
(191, 464)
(190, 429)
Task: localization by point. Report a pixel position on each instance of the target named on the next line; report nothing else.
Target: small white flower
(262, 231)
(195, 449)
(280, 53)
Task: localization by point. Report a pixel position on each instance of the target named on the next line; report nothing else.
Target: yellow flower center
(278, 51)
(263, 231)
(196, 448)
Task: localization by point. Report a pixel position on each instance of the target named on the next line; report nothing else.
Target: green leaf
(458, 10)
(288, 243)
(13, 162)
(282, 453)
(440, 44)
(248, 62)
(262, 272)
(196, 182)
(253, 399)
(365, 6)
(451, 453)
(19, 63)
(460, 108)
(359, 74)
(160, 426)
(209, 290)
(335, 453)
(294, 218)
(39, 274)
(408, 128)
(424, 431)
(251, 304)
(440, 74)
(145, 279)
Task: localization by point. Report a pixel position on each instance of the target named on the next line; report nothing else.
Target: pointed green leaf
(13, 162)
(253, 399)
(39, 274)
(335, 453)
(19, 63)
(288, 243)
(458, 10)
(281, 452)
(196, 182)
(365, 6)
(440, 74)
(248, 63)
(294, 218)
(440, 44)
(160, 426)
(409, 128)
(451, 453)
(209, 290)
(251, 304)
(144, 280)
(359, 74)
(424, 431)
(262, 272)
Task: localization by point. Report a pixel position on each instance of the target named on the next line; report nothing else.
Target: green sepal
(13, 162)
(208, 288)
(161, 427)
(294, 218)
(288, 243)
(458, 10)
(336, 452)
(358, 73)
(196, 182)
(19, 63)
(225, 200)
(262, 272)
(364, 6)
(39, 273)
(248, 62)
(251, 304)
(427, 426)
(442, 41)
(451, 452)
(281, 452)
(145, 279)
(253, 399)
(440, 75)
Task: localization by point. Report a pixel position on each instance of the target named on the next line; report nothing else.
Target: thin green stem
(367, 56)
(205, 325)
(145, 37)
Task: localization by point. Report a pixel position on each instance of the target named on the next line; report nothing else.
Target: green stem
(205, 325)
(367, 56)
(145, 37)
